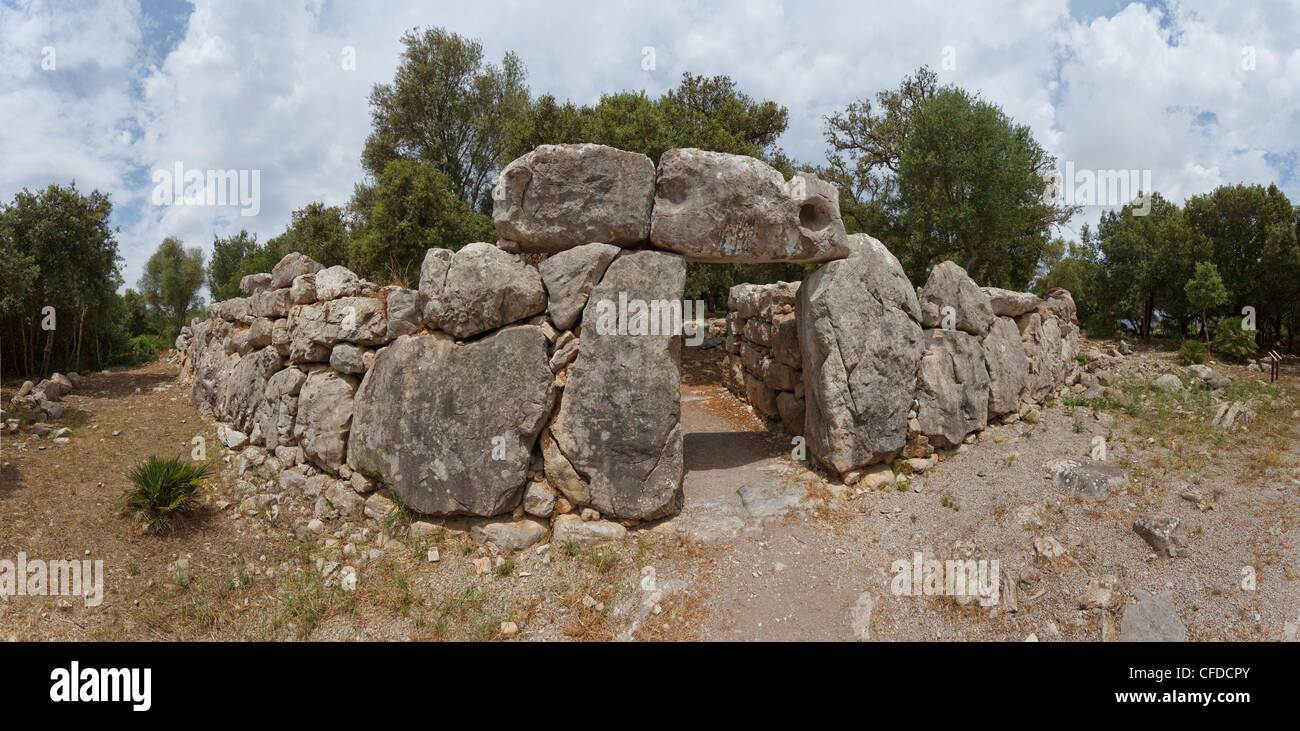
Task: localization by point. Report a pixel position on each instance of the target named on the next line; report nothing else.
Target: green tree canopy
(226, 266)
(171, 281)
(447, 108)
(1205, 291)
(970, 189)
(57, 250)
(415, 208)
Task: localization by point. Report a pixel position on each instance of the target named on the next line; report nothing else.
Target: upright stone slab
(618, 423)
(245, 392)
(560, 196)
(451, 428)
(324, 417)
(861, 340)
(716, 207)
(1008, 366)
(952, 387)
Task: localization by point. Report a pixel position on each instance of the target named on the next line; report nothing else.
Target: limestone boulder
(861, 342)
(1041, 336)
(315, 329)
(247, 387)
(950, 286)
(1008, 303)
(271, 303)
(717, 207)
(324, 417)
(281, 407)
(618, 423)
(291, 266)
(952, 387)
(483, 288)
(451, 428)
(1008, 366)
(569, 277)
(405, 312)
(254, 283)
(561, 196)
(335, 282)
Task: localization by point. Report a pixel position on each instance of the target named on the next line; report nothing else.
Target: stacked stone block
(763, 364)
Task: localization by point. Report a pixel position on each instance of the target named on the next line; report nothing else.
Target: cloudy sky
(1198, 92)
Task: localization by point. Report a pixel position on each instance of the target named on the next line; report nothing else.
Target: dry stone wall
(497, 386)
(502, 387)
(763, 364)
(884, 370)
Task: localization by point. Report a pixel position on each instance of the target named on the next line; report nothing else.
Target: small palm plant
(163, 490)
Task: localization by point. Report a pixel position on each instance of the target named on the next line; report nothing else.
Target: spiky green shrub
(163, 490)
(1231, 342)
(1192, 352)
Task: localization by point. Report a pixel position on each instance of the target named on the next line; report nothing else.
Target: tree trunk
(45, 360)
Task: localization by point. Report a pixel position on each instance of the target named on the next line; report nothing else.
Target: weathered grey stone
(1008, 366)
(1085, 478)
(244, 340)
(952, 387)
(618, 421)
(335, 282)
(785, 340)
(325, 408)
(1212, 378)
(1162, 533)
(565, 354)
(254, 283)
(716, 207)
(791, 409)
(451, 428)
(743, 300)
(1168, 382)
(950, 286)
(349, 359)
(405, 312)
(761, 396)
(575, 531)
(341, 496)
(1061, 303)
(510, 535)
(245, 393)
(359, 320)
(1007, 303)
(560, 196)
(1041, 337)
(1151, 619)
(539, 500)
(569, 277)
(303, 289)
(861, 344)
(292, 265)
(230, 310)
(271, 303)
(484, 288)
(281, 407)
(561, 474)
(772, 500)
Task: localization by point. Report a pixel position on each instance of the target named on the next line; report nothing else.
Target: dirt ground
(812, 563)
